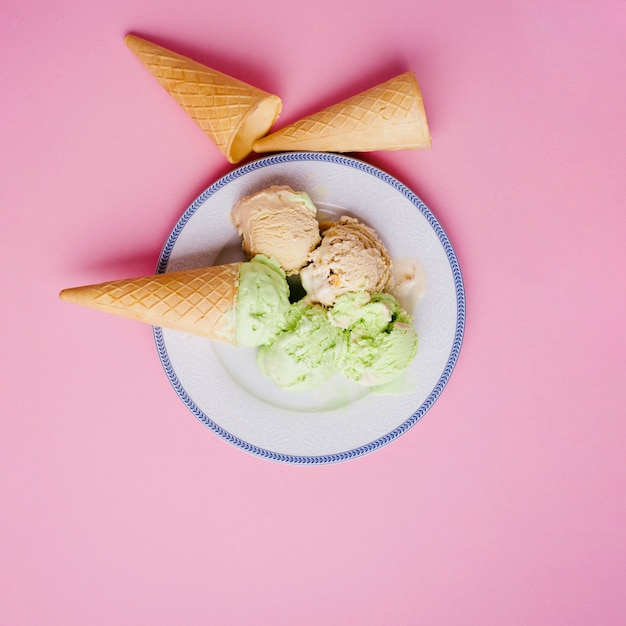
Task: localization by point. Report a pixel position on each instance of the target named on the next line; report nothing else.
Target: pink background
(504, 505)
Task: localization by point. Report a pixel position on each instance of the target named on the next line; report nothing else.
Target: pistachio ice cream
(307, 352)
(382, 340)
(262, 301)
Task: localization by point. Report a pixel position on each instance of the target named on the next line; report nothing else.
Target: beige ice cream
(350, 258)
(280, 223)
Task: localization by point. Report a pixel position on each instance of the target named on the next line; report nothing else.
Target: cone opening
(255, 124)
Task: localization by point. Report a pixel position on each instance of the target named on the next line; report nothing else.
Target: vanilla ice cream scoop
(350, 258)
(279, 223)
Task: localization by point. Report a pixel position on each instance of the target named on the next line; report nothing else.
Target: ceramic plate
(221, 385)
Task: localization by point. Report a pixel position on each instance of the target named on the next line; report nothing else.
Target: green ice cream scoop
(262, 301)
(306, 353)
(382, 340)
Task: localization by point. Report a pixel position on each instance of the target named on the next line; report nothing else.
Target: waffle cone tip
(68, 295)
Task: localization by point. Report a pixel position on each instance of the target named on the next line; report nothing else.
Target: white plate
(221, 384)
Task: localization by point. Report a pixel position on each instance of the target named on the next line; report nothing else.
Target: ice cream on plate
(262, 301)
(350, 258)
(345, 324)
(278, 222)
(307, 352)
(408, 283)
(382, 340)
(368, 338)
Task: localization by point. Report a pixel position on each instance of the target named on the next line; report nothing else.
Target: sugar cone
(200, 301)
(389, 116)
(232, 113)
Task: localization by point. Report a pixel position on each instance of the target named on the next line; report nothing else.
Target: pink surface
(504, 505)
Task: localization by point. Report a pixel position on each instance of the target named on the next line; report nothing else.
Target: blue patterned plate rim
(460, 301)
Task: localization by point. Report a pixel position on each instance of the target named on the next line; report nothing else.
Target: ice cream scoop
(382, 341)
(350, 258)
(278, 222)
(366, 337)
(262, 301)
(240, 303)
(308, 351)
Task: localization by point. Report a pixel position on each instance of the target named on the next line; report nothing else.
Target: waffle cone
(200, 301)
(232, 113)
(390, 116)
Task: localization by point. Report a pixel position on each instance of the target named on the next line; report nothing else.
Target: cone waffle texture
(200, 301)
(232, 113)
(390, 116)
